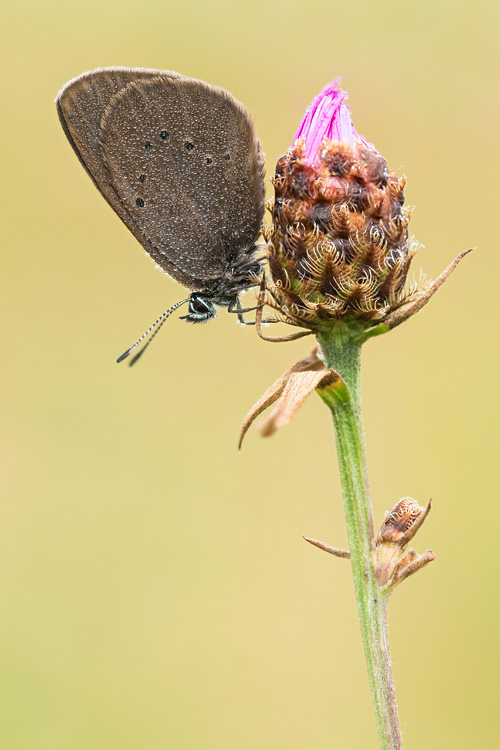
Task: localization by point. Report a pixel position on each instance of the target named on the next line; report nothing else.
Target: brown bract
(338, 246)
(339, 240)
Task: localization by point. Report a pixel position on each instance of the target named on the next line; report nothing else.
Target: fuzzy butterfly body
(179, 162)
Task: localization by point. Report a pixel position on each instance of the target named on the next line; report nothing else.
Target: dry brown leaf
(299, 386)
(273, 393)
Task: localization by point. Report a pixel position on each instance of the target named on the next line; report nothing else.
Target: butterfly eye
(199, 305)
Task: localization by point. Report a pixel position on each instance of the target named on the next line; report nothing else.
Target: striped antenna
(159, 322)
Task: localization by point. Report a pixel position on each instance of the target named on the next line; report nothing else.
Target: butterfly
(179, 162)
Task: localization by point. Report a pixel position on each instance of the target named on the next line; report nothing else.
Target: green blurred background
(155, 590)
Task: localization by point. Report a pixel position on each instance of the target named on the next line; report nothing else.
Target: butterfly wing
(177, 159)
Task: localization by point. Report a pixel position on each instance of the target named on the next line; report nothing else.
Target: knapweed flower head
(338, 252)
(338, 245)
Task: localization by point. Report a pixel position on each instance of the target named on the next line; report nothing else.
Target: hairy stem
(342, 353)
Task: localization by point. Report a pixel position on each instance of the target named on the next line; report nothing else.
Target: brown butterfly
(179, 162)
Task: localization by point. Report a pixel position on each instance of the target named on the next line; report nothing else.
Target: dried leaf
(310, 363)
(299, 386)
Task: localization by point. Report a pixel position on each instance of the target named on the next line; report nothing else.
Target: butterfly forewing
(81, 105)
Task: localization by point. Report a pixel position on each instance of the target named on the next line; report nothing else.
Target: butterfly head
(200, 309)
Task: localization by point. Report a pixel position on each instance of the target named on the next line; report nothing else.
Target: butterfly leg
(235, 307)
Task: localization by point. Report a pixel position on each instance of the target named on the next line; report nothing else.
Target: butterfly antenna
(158, 322)
(141, 351)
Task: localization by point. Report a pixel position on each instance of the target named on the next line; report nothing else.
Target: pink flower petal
(327, 117)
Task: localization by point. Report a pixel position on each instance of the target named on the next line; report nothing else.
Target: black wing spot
(142, 178)
(148, 146)
(209, 159)
(189, 146)
(164, 135)
(140, 202)
(227, 157)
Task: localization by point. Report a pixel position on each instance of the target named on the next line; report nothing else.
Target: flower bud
(392, 562)
(338, 245)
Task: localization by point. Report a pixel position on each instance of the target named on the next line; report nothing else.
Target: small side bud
(392, 562)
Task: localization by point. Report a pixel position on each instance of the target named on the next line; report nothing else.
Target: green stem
(342, 353)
